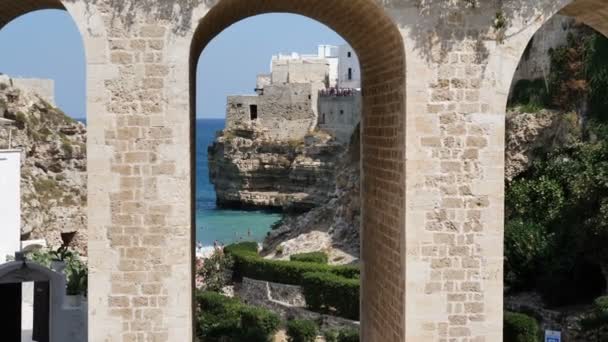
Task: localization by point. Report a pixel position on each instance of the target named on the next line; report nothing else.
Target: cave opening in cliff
(42, 133)
(293, 151)
(556, 144)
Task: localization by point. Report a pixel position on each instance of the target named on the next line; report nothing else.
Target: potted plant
(62, 254)
(77, 282)
(59, 258)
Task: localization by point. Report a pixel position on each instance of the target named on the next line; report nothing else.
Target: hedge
(248, 263)
(344, 335)
(249, 246)
(520, 328)
(228, 320)
(348, 335)
(331, 293)
(301, 331)
(315, 257)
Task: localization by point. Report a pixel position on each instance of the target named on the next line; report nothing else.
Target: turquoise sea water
(213, 224)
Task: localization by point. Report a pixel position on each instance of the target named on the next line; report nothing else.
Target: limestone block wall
(238, 109)
(435, 84)
(42, 87)
(285, 110)
(299, 71)
(263, 80)
(339, 115)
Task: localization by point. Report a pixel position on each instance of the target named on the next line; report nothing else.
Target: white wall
(43, 87)
(348, 62)
(10, 202)
(340, 115)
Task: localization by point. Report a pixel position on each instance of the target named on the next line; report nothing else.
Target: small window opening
(239, 105)
(341, 112)
(349, 54)
(310, 97)
(350, 73)
(253, 112)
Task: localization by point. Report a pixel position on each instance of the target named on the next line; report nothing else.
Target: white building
(304, 91)
(10, 203)
(349, 71)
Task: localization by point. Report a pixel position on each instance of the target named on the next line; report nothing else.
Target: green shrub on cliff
(332, 294)
(331, 289)
(520, 328)
(228, 320)
(316, 257)
(247, 263)
(301, 331)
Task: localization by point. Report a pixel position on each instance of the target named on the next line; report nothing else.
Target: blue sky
(47, 44)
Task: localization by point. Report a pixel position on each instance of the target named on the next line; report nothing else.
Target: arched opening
(379, 45)
(554, 159)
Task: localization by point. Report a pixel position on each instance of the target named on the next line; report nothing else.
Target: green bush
(249, 264)
(520, 328)
(249, 246)
(331, 293)
(331, 335)
(224, 319)
(600, 305)
(526, 244)
(301, 331)
(529, 93)
(213, 271)
(316, 257)
(348, 335)
(258, 324)
(344, 335)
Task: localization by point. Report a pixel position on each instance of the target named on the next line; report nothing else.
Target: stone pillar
(140, 247)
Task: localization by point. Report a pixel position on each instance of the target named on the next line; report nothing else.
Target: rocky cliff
(529, 135)
(53, 184)
(333, 226)
(253, 171)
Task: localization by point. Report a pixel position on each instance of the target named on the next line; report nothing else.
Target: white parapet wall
(10, 203)
(43, 87)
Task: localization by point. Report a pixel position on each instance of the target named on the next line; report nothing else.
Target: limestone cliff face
(250, 170)
(53, 172)
(333, 226)
(529, 135)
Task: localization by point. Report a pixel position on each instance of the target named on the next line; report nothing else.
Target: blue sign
(553, 336)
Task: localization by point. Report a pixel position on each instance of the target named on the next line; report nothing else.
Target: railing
(337, 92)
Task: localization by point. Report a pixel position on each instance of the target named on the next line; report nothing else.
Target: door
(10, 311)
(42, 311)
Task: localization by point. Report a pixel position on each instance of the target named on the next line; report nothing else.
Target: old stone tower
(436, 76)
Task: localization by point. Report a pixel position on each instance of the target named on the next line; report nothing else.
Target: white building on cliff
(289, 100)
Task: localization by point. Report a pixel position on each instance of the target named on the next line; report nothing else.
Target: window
(350, 74)
(253, 112)
(349, 54)
(310, 97)
(341, 112)
(323, 119)
(239, 105)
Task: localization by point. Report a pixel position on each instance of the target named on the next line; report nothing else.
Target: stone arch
(10, 10)
(593, 13)
(379, 45)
